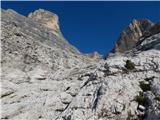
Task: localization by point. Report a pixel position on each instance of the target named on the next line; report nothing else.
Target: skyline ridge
(98, 25)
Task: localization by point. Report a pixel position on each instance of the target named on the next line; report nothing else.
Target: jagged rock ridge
(46, 78)
(135, 32)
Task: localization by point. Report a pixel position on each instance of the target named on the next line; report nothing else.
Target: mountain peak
(143, 24)
(132, 33)
(46, 18)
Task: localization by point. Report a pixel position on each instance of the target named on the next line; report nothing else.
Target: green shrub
(129, 65)
(144, 86)
(157, 98)
(140, 99)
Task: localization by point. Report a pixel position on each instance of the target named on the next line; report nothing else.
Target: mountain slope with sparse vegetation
(44, 77)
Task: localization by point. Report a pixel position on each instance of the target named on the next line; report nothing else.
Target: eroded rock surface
(46, 78)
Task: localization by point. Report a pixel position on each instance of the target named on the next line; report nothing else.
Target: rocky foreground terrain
(45, 78)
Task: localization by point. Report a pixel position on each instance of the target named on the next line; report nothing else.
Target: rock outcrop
(46, 18)
(46, 78)
(130, 36)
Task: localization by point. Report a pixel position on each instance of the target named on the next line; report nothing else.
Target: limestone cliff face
(46, 18)
(130, 36)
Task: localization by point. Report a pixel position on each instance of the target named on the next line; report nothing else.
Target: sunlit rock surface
(132, 34)
(46, 78)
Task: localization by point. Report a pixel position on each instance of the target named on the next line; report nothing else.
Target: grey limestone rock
(45, 78)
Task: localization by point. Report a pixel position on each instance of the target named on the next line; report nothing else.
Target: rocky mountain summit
(136, 30)
(46, 78)
(46, 18)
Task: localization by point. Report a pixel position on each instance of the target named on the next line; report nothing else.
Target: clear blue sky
(92, 26)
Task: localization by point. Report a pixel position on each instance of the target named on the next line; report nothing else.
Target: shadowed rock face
(46, 78)
(130, 36)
